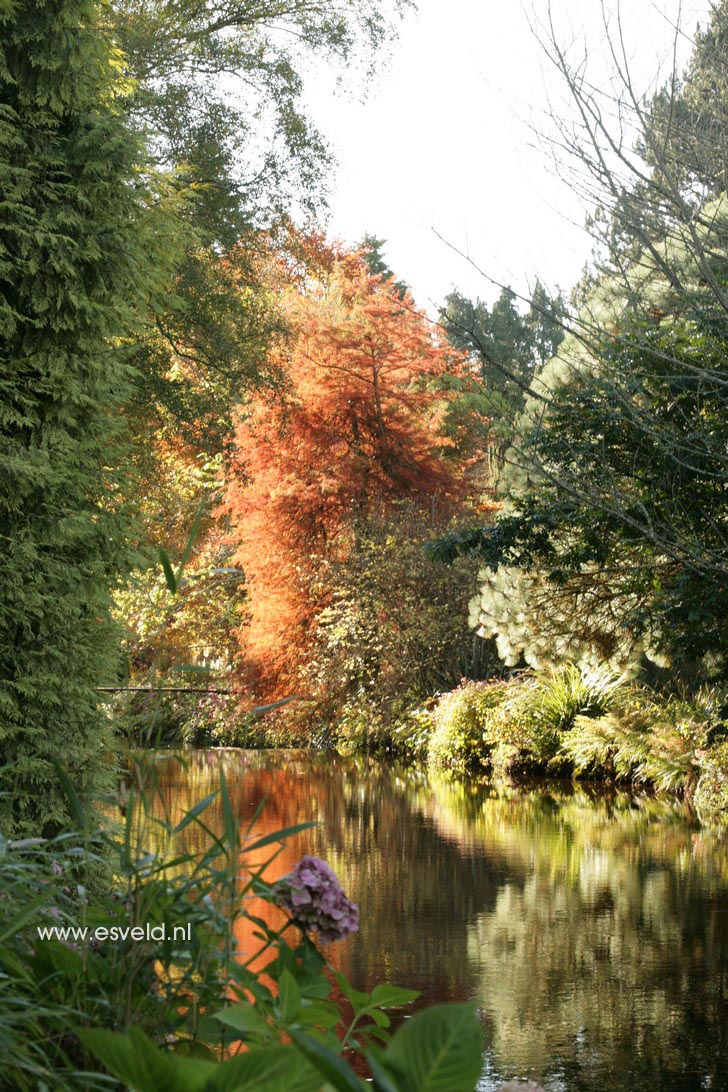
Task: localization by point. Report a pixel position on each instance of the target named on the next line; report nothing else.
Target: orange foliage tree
(358, 427)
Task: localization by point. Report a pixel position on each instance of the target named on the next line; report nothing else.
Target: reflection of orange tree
(367, 836)
(554, 908)
(175, 785)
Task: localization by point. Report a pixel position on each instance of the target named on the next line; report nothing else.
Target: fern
(571, 692)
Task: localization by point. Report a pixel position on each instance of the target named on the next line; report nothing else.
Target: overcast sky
(443, 141)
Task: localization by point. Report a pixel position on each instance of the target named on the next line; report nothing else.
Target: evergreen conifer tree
(72, 268)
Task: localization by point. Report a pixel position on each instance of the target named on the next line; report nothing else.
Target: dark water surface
(590, 927)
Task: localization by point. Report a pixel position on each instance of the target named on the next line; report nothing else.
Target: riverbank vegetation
(267, 480)
(527, 495)
(252, 494)
(144, 243)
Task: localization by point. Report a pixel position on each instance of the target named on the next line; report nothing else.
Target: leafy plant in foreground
(175, 1012)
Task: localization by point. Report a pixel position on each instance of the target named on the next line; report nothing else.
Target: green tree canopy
(217, 90)
(613, 544)
(507, 346)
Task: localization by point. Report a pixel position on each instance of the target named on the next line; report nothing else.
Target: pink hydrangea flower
(313, 897)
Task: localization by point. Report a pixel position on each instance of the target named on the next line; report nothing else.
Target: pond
(590, 926)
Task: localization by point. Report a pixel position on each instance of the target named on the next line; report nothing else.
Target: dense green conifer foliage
(613, 543)
(507, 348)
(72, 259)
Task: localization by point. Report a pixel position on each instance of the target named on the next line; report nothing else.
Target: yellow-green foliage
(460, 740)
(393, 633)
(711, 794)
(517, 730)
(410, 736)
(646, 739)
(588, 722)
(571, 692)
(518, 724)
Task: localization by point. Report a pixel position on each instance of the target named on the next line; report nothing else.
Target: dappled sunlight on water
(590, 927)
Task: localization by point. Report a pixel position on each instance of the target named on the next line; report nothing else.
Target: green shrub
(149, 718)
(647, 738)
(614, 745)
(364, 728)
(410, 735)
(394, 631)
(460, 740)
(523, 739)
(217, 720)
(516, 725)
(153, 718)
(711, 794)
(586, 722)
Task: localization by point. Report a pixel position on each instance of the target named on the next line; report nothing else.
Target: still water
(590, 927)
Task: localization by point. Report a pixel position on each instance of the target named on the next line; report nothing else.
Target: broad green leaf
(358, 1000)
(289, 998)
(331, 1066)
(392, 997)
(245, 1018)
(378, 1017)
(136, 1061)
(313, 962)
(319, 1014)
(276, 1068)
(318, 987)
(439, 1050)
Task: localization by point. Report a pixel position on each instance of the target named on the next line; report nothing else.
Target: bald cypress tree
(72, 269)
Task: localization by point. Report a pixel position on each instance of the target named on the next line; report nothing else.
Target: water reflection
(591, 928)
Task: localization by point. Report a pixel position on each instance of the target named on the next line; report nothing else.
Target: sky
(442, 153)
